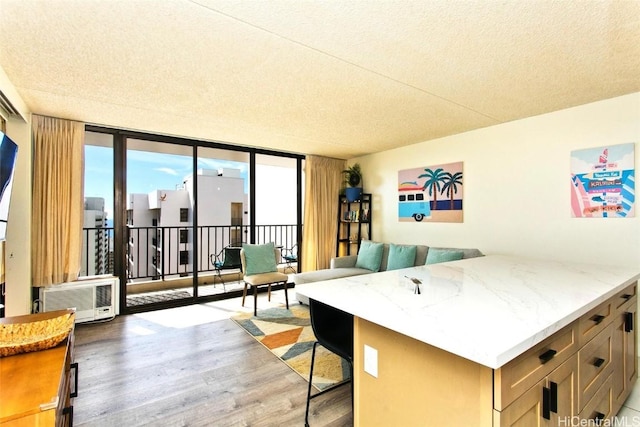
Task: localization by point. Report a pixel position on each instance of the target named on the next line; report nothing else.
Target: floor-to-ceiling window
(160, 221)
(223, 217)
(175, 213)
(97, 236)
(276, 202)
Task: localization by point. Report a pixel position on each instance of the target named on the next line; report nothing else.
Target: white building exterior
(96, 243)
(164, 244)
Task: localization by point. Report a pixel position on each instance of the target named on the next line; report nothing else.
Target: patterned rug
(288, 334)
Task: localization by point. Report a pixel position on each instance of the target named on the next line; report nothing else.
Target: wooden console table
(36, 388)
(490, 341)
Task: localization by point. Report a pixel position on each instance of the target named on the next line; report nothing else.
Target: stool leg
(313, 358)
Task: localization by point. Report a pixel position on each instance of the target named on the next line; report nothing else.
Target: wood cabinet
(354, 224)
(592, 379)
(584, 371)
(625, 351)
(37, 388)
(546, 403)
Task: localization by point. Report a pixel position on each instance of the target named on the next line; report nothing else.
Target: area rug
(288, 335)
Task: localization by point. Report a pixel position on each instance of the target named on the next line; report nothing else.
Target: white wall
(18, 244)
(516, 187)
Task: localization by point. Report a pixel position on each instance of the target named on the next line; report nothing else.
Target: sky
(148, 171)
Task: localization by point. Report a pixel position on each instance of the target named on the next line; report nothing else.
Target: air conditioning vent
(103, 295)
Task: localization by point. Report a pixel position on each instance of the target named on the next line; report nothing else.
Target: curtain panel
(57, 215)
(323, 181)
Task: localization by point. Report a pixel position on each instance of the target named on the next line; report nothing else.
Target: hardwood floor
(191, 366)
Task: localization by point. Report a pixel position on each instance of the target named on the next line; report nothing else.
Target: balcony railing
(158, 253)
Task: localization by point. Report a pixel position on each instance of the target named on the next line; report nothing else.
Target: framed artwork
(431, 194)
(603, 182)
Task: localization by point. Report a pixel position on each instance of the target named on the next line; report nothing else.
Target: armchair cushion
(401, 256)
(260, 259)
(370, 255)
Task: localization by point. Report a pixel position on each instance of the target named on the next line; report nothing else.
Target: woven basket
(36, 335)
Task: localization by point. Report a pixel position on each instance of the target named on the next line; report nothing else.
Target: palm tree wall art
(431, 194)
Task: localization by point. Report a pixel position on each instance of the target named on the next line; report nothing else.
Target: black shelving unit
(354, 224)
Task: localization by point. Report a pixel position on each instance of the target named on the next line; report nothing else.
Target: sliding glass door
(276, 205)
(160, 222)
(223, 211)
(169, 215)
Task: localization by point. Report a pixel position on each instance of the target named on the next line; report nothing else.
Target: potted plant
(353, 180)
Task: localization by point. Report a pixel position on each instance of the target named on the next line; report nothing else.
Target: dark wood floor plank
(136, 372)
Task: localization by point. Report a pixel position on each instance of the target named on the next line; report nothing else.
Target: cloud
(168, 171)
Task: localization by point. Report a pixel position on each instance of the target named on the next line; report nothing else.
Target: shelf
(354, 220)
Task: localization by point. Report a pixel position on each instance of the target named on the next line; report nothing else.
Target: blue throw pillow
(401, 256)
(370, 255)
(435, 255)
(260, 258)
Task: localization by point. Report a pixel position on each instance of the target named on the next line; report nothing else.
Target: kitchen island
(489, 341)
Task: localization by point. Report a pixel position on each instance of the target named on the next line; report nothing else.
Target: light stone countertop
(488, 309)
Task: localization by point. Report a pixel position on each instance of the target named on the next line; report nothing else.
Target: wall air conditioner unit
(95, 299)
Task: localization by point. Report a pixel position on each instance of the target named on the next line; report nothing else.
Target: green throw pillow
(260, 258)
(401, 257)
(435, 255)
(370, 255)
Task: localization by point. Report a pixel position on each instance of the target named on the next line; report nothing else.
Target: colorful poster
(603, 182)
(430, 194)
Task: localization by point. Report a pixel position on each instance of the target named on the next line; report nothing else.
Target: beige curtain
(57, 216)
(323, 180)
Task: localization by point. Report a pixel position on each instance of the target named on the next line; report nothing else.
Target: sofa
(353, 265)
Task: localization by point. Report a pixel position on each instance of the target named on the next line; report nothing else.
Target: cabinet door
(527, 410)
(562, 382)
(625, 352)
(550, 402)
(630, 344)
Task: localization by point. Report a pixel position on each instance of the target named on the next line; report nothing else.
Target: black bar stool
(333, 329)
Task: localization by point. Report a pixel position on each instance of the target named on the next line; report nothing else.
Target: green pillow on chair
(259, 258)
(401, 256)
(370, 255)
(435, 255)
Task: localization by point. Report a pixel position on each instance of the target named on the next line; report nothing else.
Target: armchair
(260, 269)
(227, 259)
(290, 256)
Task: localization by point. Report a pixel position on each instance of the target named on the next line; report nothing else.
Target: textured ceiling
(335, 78)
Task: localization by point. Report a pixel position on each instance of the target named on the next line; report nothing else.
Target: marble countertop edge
(380, 299)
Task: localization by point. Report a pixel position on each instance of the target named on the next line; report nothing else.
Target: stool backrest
(333, 328)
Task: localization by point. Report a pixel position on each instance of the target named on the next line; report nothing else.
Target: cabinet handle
(626, 297)
(74, 393)
(69, 412)
(546, 356)
(553, 397)
(598, 318)
(598, 416)
(546, 402)
(628, 321)
(598, 362)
